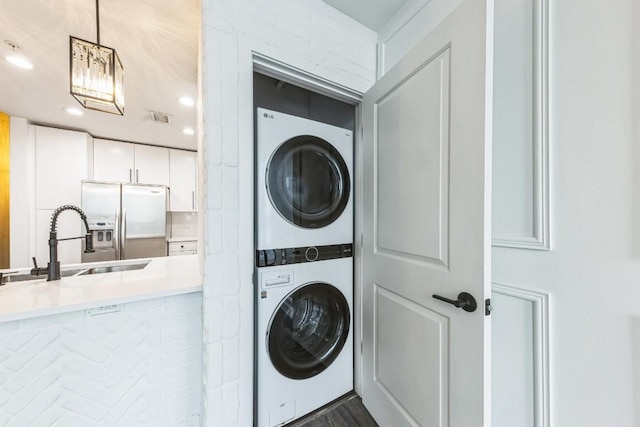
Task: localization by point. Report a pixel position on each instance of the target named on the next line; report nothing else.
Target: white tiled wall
(308, 35)
(184, 224)
(141, 366)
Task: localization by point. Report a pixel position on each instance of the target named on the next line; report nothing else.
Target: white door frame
(268, 66)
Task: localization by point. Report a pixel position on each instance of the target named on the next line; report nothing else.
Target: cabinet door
(113, 161)
(189, 247)
(62, 160)
(151, 165)
(182, 180)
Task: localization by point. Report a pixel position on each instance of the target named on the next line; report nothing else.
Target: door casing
(279, 70)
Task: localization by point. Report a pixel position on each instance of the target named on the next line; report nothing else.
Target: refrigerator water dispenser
(103, 233)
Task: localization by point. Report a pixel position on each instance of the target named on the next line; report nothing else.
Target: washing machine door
(308, 330)
(308, 181)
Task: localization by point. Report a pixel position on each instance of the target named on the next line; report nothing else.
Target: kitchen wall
(310, 36)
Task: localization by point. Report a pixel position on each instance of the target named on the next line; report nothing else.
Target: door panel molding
(540, 238)
(428, 160)
(428, 406)
(539, 309)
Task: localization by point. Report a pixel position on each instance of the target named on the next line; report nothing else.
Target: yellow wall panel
(4, 191)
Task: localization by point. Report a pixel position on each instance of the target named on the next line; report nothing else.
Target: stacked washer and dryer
(304, 274)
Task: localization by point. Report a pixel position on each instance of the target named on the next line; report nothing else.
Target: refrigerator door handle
(123, 235)
(116, 234)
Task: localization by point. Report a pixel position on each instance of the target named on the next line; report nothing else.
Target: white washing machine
(304, 338)
(304, 182)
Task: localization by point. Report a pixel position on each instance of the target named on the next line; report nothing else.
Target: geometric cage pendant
(96, 76)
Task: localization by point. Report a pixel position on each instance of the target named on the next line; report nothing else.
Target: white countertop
(164, 276)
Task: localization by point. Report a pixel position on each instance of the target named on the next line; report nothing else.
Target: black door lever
(465, 301)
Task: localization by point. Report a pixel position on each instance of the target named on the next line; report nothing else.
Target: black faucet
(53, 268)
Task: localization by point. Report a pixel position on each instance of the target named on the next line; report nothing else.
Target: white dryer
(304, 338)
(304, 182)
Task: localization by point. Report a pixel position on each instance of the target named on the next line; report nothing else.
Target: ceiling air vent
(161, 118)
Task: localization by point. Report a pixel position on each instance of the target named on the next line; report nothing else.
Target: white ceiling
(157, 41)
(372, 13)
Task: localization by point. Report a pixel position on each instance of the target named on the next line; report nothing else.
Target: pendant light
(96, 74)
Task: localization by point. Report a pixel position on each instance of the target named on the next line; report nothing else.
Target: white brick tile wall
(308, 35)
(214, 240)
(215, 195)
(231, 275)
(230, 184)
(141, 366)
(212, 323)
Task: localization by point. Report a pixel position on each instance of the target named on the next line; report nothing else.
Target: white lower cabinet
(187, 247)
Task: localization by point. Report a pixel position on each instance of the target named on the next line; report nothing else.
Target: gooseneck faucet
(53, 268)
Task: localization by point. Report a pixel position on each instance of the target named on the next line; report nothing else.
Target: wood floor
(347, 411)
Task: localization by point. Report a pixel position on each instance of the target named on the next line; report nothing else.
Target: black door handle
(465, 301)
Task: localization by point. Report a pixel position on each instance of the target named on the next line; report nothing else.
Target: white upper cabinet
(113, 161)
(62, 161)
(182, 180)
(151, 165)
(125, 162)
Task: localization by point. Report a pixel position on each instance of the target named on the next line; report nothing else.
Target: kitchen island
(163, 276)
(109, 349)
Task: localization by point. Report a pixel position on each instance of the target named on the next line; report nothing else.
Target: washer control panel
(273, 279)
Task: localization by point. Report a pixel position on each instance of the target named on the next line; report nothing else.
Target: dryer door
(308, 182)
(308, 330)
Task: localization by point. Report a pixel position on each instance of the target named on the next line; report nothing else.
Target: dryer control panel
(270, 257)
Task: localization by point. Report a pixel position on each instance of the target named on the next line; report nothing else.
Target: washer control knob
(311, 254)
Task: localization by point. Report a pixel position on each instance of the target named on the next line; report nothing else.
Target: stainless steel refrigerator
(127, 221)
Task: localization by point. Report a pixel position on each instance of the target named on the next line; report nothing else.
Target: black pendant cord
(98, 20)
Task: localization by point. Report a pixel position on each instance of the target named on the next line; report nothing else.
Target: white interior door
(427, 133)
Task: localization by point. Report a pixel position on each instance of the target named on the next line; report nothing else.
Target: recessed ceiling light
(188, 131)
(74, 111)
(20, 61)
(187, 101)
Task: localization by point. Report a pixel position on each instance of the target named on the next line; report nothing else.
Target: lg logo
(268, 116)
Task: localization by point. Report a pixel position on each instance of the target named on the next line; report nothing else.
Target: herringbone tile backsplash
(140, 366)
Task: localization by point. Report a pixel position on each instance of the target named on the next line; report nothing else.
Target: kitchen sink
(115, 268)
(25, 277)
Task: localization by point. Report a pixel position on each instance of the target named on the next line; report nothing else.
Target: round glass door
(308, 182)
(308, 330)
